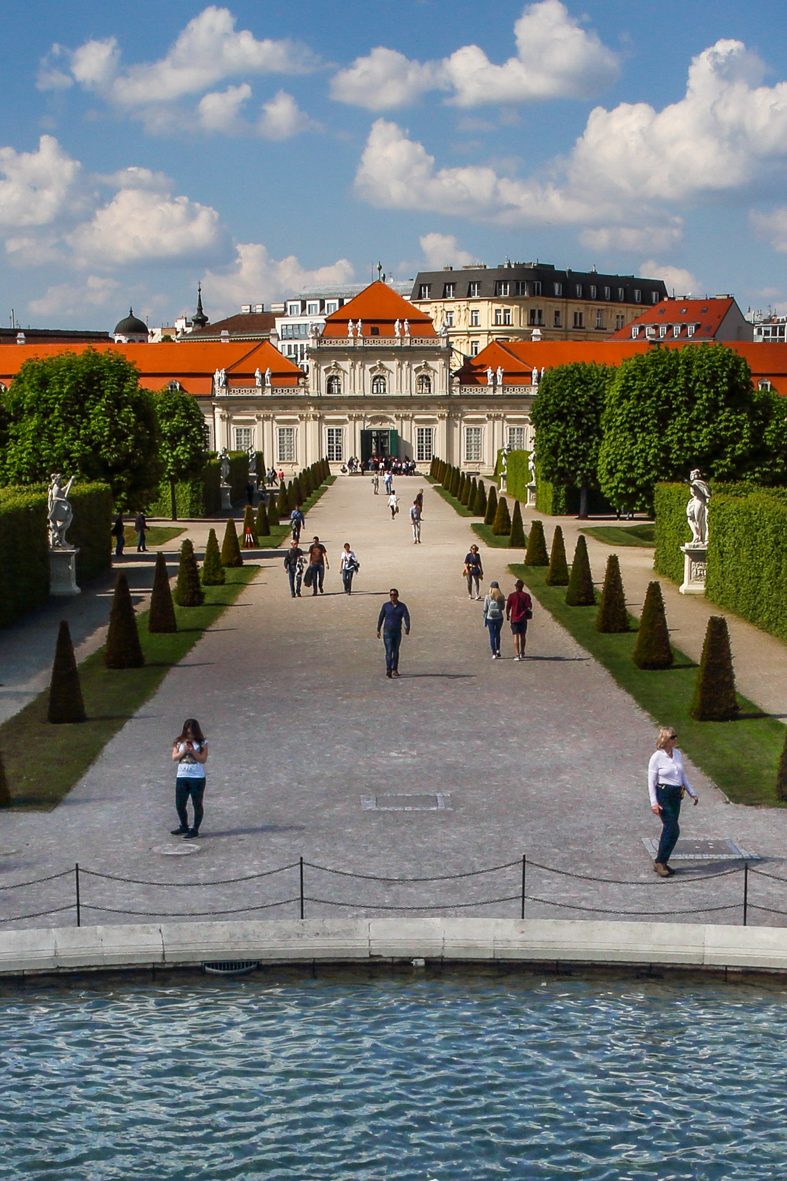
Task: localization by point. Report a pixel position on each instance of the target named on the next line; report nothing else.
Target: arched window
(174, 386)
(378, 385)
(334, 385)
(424, 384)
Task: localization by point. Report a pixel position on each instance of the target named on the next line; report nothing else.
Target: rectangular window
(506, 315)
(286, 439)
(312, 309)
(423, 444)
(620, 322)
(663, 330)
(475, 318)
(557, 320)
(472, 444)
(537, 288)
(242, 438)
(634, 332)
(579, 319)
(637, 295)
(594, 292)
(599, 319)
(501, 287)
(331, 306)
(558, 288)
(473, 290)
(334, 444)
(449, 291)
(449, 319)
(607, 293)
(498, 316)
(535, 317)
(473, 348)
(689, 330)
(621, 294)
(520, 288)
(516, 438)
(578, 290)
(425, 291)
(654, 297)
(294, 309)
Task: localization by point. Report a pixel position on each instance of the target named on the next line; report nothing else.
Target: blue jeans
(141, 541)
(296, 579)
(318, 573)
(495, 627)
(347, 579)
(120, 541)
(392, 641)
(669, 798)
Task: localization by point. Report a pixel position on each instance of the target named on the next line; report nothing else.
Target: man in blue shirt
(392, 615)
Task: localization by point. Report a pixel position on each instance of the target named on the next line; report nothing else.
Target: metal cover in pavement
(426, 802)
(703, 850)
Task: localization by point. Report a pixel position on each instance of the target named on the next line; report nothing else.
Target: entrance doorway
(380, 442)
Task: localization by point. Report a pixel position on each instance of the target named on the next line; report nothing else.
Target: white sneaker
(516, 658)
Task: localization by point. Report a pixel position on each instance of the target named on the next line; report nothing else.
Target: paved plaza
(546, 758)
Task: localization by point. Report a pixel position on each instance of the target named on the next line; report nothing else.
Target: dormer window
(690, 329)
(650, 331)
(473, 290)
(293, 309)
(634, 332)
(578, 290)
(621, 294)
(663, 331)
(502, 288)
(331, 306)
(313, 309)
(607, 293)
(764, 384)
(676, 329)
(425, 291)
(558, 289)
(593, 292)
(654, 297)
(637, 295)
(449, 291)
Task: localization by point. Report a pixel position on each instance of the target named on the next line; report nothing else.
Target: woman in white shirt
(190, 752)
(666, 783)
(393, 504)
(348, 564)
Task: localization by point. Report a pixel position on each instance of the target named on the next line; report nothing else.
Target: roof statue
(268, 376)
(534, 376)
(500, 375)
(407, 327)
(490, 376)
(350, 329)
(258, 378)
(199, 319)
(359, 328)
(398, 328)
(220, 379)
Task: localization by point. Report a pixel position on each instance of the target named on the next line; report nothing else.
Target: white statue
(398, 328)
(220, 379)
(350, 329)
(224, 465)
(359, 328)
(59, 511)
(697, 508)
(531, 466)
(534, 376)
(268, 376)
(258, 378)
(407, 327)
(543, 370)
(490, 376)
(252, 462)
(500, 375)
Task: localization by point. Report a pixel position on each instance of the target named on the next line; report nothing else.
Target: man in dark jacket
(392, 615)
(293, 564)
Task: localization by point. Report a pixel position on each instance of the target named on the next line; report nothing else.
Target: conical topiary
(653, 647)
(491, 506)
(249, 530)
(518, 539)
(479, 506)
(5, 790)
(282, 503)
(557, 574)
(536, 545)
(470, 494)
(612, 614)
(306, 484)
(123, 649)
(161, 617)
(461, 489)
(781, 774)
(263, 524)
(212, 573)
(456, 483)
(297, 493)
(714, 697)
(580, 591)
(441, 471)
(501, 526)
(65, 691)
(188, 589)
(230, 550)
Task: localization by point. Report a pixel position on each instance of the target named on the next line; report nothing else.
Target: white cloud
(772, 226)
(441, 250)
(50, 75)
(95, 64)
(38, 186)
(256, 276)
(96, 292)
(219, 110)
(143, 226)
(281, 118)
(681, 281)
(555, 58)
(633, 238)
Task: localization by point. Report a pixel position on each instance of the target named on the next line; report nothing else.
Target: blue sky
(261, 148)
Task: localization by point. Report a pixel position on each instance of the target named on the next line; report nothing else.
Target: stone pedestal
(226, 498)
(531, 496)
(695, 559)
(63, 572)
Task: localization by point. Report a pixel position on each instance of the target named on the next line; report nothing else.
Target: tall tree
(183, 447)
(85, 415)
(567, 416)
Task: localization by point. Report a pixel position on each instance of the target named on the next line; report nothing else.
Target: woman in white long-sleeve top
(666, 784)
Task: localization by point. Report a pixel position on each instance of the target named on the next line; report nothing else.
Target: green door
(379, 442)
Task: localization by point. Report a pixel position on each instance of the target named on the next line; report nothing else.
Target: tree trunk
(173, 501)
(583, 501)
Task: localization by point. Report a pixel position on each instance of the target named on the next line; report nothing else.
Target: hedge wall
(91, 528)
(518, 474)
(24, 552)
(747, 557)
(672, 529)
(201, 497)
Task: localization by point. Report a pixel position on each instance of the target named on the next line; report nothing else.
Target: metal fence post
(745, 892)
(524, 880)
(76, 884)
(301, 877)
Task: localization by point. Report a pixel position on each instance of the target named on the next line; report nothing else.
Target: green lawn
(486, 535)
(43, 762)
(454, 503)
(640, 535)
(741, 756)
(156, 534)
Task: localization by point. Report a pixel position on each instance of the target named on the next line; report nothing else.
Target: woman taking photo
(666, 784)
(190, 752)
(494, 608)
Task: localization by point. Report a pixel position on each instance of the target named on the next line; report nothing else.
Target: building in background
(714, 318)
(300, 318)
(767, 327)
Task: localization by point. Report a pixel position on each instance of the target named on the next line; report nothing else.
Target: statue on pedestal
(398, 328)
(500, 376)
(407, 327)
(697, 508)
(534, 377)
(268, 376)
(224, 465)
(504, 470)
(490, 376)
(252, 462)
(59, 511)
(531, 466)
(258, 378)
(350, 329)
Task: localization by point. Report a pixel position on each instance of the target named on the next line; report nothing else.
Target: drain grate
(425, 802)
(232, 967)
(703, 850)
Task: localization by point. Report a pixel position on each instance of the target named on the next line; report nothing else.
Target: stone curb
(376, 940)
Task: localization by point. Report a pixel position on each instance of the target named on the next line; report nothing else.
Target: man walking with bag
(318, 563)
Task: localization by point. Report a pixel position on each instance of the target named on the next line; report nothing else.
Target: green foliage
(781, 774)
(468, 492)
(249, 529)
(230, 550)
(183, 440)
(567, 415)
(90, 529)
(517, 540)
(441, 471)
(672, 529)
(297, 493)
(5, 791)
(747, 557)
(456, 480)
(83, 414)
(714, 697)
(536, 543)
(580, 591)
(161, 615)
(470, 502)
(502, 522)
(263, 524)
(123, 649)
(188, 589)
(283, 507)
(653, 650)
(460, 492)
(557, 575)
(612, 614)
(479, 504)
(491, 506)
(212, 572)
(669, 410)
(24, 552)
(65, 691)
(517, 473)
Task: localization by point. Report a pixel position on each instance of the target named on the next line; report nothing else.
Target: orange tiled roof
(379, 306)
(704, 315)
(159, 364)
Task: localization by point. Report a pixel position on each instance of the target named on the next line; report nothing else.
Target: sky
(263, 148)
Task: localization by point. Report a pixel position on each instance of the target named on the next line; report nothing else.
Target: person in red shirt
(519, 608)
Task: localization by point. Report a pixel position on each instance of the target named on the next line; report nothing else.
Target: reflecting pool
(458, 1076)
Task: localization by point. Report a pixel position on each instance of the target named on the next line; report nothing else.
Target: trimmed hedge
(201, 497)
(747, 557)
(517, 473)
(672, 529)
(24, 552)
(90, 529)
